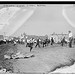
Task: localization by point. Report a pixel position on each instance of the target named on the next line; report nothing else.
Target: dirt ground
(46, 59)
(65, 70)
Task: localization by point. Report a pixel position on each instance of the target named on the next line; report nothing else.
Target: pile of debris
(18, 55)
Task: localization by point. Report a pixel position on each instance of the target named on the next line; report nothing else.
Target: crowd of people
(32, 42)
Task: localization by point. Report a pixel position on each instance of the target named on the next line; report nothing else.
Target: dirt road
(45, 61)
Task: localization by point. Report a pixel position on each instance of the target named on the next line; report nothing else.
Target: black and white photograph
(37, 38)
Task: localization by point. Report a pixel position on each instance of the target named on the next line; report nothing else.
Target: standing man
(38, 43)
(70, 38)
(52, 40)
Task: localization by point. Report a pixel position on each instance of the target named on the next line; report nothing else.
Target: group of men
(70, 39)
(45, 42)
(37, 42)
(51, 41)
(63, 41)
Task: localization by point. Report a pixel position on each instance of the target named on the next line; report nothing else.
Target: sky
(41, 20)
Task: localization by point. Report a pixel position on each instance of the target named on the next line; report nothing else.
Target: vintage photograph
(37, 38)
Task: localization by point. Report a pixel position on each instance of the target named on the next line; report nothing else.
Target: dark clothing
(74, 41)
(70, 42)
(2, 42)
(52, 41)
(63, 41)
(44, 43)
(38, 43)
(30, 45)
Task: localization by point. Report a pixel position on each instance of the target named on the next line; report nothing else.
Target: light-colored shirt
(70, 35)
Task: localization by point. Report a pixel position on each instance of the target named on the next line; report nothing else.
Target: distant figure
(63, 41)
(74, 41)
(38, 43)
(52, 41)
(15, 43)
(70, 38)
(2, 42)
(30, 44)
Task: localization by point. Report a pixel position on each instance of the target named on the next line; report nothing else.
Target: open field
(46, 59)
(51, 59)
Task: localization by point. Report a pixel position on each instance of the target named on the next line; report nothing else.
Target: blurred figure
(63, 41)
(70, 38)
(52, 40)
(38, 43)
(30, 43)
(74, 41)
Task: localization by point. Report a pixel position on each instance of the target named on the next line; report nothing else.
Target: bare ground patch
(45, 61)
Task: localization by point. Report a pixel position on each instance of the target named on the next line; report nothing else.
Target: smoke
(66, 17)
